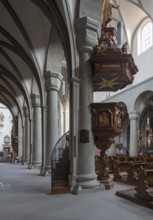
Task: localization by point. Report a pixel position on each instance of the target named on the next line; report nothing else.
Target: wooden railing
(60, 165)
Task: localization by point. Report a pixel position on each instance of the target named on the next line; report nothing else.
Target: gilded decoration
(107, 122)
(104, 119)
(112, 67)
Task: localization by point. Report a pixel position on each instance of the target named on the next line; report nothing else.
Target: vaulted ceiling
(35, 37)
(27, 30)
(132, 13)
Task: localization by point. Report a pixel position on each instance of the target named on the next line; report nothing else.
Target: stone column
(26, 136)
(37, 130)
(74, 118)
(87, 31)
(20, 137)
(31, 144)
(133, 133)
(44, 132)
(23, 144)
(53, 83)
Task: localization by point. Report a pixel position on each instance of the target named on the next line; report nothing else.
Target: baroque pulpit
(113, 68)
(107, 122)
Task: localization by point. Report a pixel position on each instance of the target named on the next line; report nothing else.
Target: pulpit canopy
(112, 67)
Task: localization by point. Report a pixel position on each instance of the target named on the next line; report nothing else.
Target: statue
(124, 47)
(104, 119)
(107, 12)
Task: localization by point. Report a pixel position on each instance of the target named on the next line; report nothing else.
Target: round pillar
(26, 136)
(86, 40)
(53, 83)
(37, 131)
(74, 118)
(133, 133)
(44, 132)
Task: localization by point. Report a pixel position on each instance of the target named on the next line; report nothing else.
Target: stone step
(60, 190)
(60, 178)
(62, 169)
(61, 172)
(59, 184)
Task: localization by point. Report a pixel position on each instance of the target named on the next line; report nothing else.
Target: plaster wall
(143, 60)
(130, 95)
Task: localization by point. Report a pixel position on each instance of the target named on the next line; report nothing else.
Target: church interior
(76, 109)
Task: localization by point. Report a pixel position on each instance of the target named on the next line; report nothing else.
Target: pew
(120, 170)
(133, 169)
(111, 160)
(148, 158)
(125, 167)
(122, 167)
(144, 184)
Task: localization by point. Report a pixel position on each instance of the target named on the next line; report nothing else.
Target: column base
(26, 161)
(77, 190)
(47, 170)
(88, 181)
(36, 164)
(42, 170)
(72, 181)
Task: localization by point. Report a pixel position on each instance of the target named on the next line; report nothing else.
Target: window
(146, 37)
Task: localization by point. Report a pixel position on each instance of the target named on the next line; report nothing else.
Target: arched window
(146, 36)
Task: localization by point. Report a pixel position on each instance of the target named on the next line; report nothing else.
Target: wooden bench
(133, 169)
(111, 160)
(144, 184)
(148, 158)
(120, 170)
(121, 167)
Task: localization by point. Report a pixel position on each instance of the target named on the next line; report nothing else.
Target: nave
(26, 195)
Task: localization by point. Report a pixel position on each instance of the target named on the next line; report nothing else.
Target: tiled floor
(24, 195)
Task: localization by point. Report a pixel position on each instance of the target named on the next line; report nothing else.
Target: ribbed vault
(37, 34)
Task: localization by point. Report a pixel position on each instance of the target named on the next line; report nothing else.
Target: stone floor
(24, 195)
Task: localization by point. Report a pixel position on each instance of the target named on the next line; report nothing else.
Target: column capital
(45, 108)
(87, 32)
(75, 81)
(36, 102)
(53, 80)
(133, 115)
